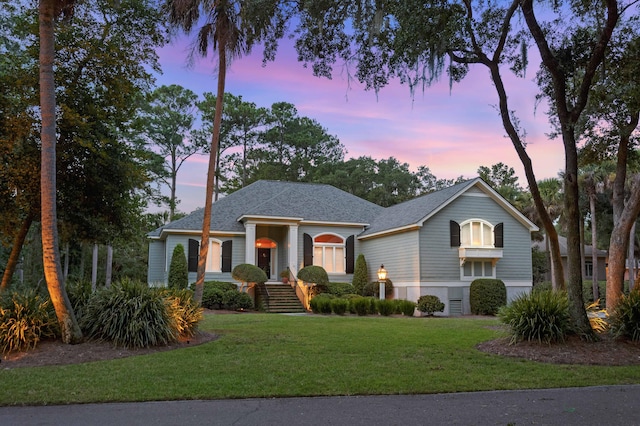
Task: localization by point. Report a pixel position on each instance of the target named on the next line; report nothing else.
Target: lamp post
(382, 278)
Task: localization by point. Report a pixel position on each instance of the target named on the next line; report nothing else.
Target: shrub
(385, 307)
(321, 304)
(129, 314)
(340, 289)
(406, 307)
(360, 275)
(429, 304)
(79, 293)
(372, 289)
(235, 300)
(486, 296)
(247, 273)
(178, 269)
(314, 274)
(25, 318)
(545, 286)
(541, 316)
(360, 305)
(339, 306)
(625, 318)
(184, 313)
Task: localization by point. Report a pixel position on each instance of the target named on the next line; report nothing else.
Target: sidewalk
(600, 405)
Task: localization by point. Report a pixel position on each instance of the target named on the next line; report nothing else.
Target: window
(329, 252)
(478, 269)
(218, 257)
(476, 233)
(588, 269)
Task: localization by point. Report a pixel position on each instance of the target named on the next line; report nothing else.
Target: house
(434, 244)
(587, 273)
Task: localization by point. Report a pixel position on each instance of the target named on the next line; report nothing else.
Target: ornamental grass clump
(130, 315)
(405, 307)
(386, 307)
(184, 312)
(625, 318)
(339, 306)
(541, 316)
(360, 305)
(25, 318)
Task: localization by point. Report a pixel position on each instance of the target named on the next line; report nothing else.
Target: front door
(264, 260)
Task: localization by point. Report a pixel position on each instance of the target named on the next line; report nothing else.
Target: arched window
(329, 252)
(214, 257)
(476, 233)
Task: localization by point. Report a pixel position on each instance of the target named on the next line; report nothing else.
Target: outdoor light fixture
(382, 278)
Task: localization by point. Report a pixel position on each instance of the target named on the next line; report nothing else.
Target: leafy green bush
(545, 286)
(178, 269)
(321, 304)
(385, 307)
(340, 289)
(486, 296)
(129, 314)
(79, 293)
(247, 273)
(25, 318)
(429, 304)
(405, 307)
(360, 275)
(234, 300)
(339, 306)
(541, 316)
(372, 289)
(360, 305)
(625, 318)
(314, 274)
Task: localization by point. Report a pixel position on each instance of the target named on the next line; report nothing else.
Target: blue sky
(452, 133)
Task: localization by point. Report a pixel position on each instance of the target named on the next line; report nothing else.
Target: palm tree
(48, 11)
(231, 36)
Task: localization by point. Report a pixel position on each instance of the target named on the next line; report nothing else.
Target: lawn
(269, 355)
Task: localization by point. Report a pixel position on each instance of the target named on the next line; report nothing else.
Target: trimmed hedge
(429, 304)
(178, 269)
(486, 296)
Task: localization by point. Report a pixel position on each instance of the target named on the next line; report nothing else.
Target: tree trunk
(69, 328)
(66, 261)
(631, 261)
(108, 271)
(94, 268)
(211, 171)
(594, 249)
(16, 249)
(618, 245)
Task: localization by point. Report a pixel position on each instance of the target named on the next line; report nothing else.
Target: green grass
(267, 355)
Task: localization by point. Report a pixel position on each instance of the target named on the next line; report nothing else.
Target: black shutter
(454, 230)
(194, 252)
(227, 247)
(307, 247)
(350, 254)
(498, 235)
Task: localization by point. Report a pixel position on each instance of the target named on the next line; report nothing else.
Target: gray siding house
(434, 244)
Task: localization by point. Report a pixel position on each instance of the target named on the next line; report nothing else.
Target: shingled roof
(305, 201)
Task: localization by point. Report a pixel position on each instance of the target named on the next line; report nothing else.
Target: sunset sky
(452, 133)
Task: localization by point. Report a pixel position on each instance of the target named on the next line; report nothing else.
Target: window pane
(467, 269)
(486, 235)
(213, 257)
(339, 260)
(465, 235)
(327, 238)
(475, 234)
(488, 269)
(328, 259)
(477, 269)
(317, 256)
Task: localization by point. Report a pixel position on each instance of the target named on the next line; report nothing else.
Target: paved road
(601, 405)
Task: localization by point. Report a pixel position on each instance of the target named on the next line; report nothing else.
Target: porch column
(250, 243)
(293, 248)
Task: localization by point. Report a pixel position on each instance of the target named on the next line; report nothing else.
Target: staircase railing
(302, 295)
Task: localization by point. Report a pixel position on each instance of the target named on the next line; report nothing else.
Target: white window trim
(210, 260)
(332, 247)
(472, 277)
(483, 223)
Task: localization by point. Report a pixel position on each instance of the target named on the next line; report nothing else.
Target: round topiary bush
(429, 304)
(486, 296)
(248, 273)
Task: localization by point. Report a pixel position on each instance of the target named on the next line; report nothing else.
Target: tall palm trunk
(594, 249)
(50, 252)
(14, 256)
(211, 171)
